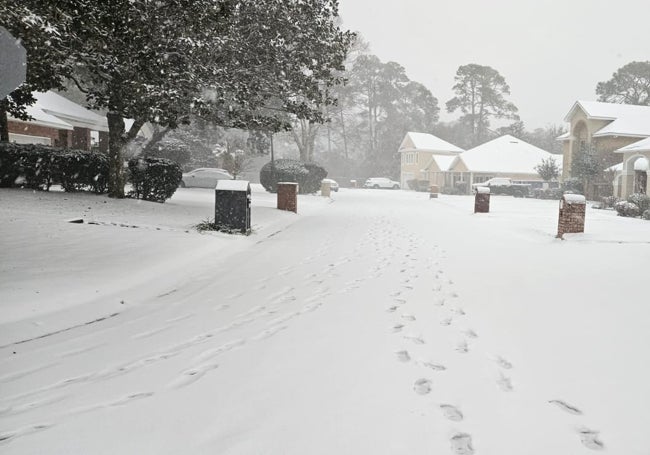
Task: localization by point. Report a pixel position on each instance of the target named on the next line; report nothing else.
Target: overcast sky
(551, 52)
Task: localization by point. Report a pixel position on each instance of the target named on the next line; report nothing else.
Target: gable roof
(69, 111)
(442, 161)
(41, 118)
(505, 154)
(425, 142)
(639, 146)
(606, 111)
(631, 126)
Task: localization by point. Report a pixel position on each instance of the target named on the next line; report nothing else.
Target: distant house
(59, 122)
(505, 156)
(425, 157)
(615, 132)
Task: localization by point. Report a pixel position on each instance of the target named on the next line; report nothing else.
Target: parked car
(334, 186)
(495, 181)
(204, 177)
(381, 182)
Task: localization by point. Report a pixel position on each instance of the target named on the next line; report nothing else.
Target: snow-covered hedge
(308, 175)
(40, 166)
(640, 200)
(625, 208)
(154, 179)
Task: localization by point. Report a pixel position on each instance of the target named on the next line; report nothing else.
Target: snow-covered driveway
(380, 323)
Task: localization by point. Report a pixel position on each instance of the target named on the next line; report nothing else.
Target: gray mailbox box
(232, 206)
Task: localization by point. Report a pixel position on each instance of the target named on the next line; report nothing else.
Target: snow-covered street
(374, 322)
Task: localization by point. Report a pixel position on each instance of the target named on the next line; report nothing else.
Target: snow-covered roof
(563, 137)
(631, 125)
(505, 154)
(233, 185)
(640, 146)
(41, 118)
(607, 111)
(69, 111)
(425, 142)
(442, 161)
(616, 167)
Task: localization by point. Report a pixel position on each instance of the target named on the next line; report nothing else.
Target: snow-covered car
(495, 181)
(204, 177)
(381, 182)
(334, 186)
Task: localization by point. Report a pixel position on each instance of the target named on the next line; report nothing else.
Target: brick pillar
(482, 200)
(433, 191)
(288, 196)
(81, 138)
(571, 218)
(325, 189)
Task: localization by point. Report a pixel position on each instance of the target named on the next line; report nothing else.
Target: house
(59, 122)
(505, 156)
(608, 129)
(632, 177)
(424, 156)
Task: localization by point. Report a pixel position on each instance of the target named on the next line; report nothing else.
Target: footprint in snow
(398, 327)
(503, 363)
(589, 439)
(451, 412)
(462, 347)
(408, 317)
(130, 398)
(415, 339)
(470, 333)
(403, 356)
(461, 444)
(504, 383)
(391, 309)
(440, 302)
(422, 386)
(434, 366)
(445, 321)
(566, 407)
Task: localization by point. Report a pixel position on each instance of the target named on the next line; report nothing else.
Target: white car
(204, 177)
(334, 186)
(495, 181)
(381, 182)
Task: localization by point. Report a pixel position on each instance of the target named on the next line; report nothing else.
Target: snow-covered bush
(79, 170)
(39, 166)
(640, 200)
(646, 215)
(308, 175)
(548, 193)
(419, 185)
(608, 202)
(625, 208)
(154, 179)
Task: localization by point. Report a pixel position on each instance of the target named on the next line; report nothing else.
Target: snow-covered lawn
(377, 322)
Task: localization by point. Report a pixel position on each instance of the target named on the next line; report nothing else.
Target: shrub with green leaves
(40, 166)
(308, 175)
(154, 179)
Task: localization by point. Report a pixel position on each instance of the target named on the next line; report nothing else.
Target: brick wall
(571, 219)
(28, 129)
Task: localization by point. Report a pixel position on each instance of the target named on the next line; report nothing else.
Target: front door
(640, 182)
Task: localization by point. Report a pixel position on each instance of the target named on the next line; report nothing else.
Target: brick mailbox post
(482, 200)
(325, 189)
(288, 196)
(232, 206)
(572, 214)
(433, 191)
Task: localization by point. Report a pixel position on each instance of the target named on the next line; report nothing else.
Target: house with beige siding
(424, 156)
(505, 156)
(614, 132)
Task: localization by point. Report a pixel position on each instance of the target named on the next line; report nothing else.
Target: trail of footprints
(461, 442)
